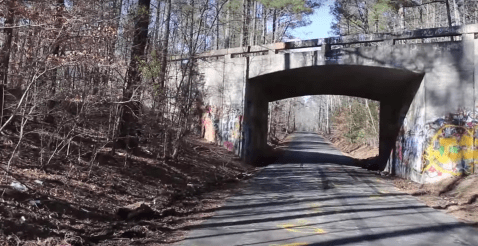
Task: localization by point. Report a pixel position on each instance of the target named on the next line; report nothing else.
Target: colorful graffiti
(409, 147)
(208, 131)
(222, 129)
(231, 131)
(236, 132)
(447, 146)
(229, 146)
(451, 150)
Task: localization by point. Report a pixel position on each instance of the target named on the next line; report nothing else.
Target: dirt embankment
(105, 199)
(364, 147)
(355, 150)
(456, 196)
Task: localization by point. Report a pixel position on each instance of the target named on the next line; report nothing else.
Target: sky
(320, 26)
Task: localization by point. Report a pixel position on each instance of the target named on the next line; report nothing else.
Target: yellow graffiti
(445, 153)
(301, 227)
(236, 133)
(289, 244)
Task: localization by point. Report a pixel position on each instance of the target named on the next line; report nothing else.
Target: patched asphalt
(313, 195)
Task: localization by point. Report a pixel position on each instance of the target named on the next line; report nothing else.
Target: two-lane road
(313, 195)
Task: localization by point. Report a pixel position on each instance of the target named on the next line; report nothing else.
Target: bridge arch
(394, 88)
(424, 81)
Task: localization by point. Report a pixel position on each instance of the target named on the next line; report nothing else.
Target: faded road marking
(301, 227)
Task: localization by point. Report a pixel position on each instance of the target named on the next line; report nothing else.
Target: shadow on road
(312, 195)
(298, 155)
(300, 216)
(310, 149)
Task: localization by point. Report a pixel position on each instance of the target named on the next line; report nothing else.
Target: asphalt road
(313, 195)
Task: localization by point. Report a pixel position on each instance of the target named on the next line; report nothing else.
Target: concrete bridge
(425, 81)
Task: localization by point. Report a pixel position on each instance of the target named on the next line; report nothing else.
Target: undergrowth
(358, 122)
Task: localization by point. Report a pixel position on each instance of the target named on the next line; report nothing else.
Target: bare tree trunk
(5, 52)
(327, 113)
(370, 114)
(293, 129)
(270, 118)
(164, 57)
(246, 22)
(226, 31)
(254, 24)
(264, 24)
(448, 14)
(217, 24)
(131, 109)
(457, 16)
(274, 23)
(60, 6)
(401, 14)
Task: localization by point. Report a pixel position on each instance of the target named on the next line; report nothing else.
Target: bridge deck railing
(389, 38)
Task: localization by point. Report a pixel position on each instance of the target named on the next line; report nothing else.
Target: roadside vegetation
(355, 128)
(100, 115)
(101, 105)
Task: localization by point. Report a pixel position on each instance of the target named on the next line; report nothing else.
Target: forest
(86, 104)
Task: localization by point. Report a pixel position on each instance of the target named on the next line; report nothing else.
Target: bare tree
(131, 109)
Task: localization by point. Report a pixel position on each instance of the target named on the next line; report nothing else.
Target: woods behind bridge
(354, 119)
(69, 62)
(103, 65)
(89, 82)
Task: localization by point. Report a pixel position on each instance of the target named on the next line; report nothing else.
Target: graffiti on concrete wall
(451, 147)
(229, 145)
(209, 128)
(451, 151)
(447, 146)
(409, 147)
(222, 129)
(231, 131)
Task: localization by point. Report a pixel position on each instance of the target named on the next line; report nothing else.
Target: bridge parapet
(386, 38)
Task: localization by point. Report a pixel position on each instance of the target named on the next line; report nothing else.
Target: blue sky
(320, 26)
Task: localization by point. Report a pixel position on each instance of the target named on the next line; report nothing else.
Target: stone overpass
(424, 79)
